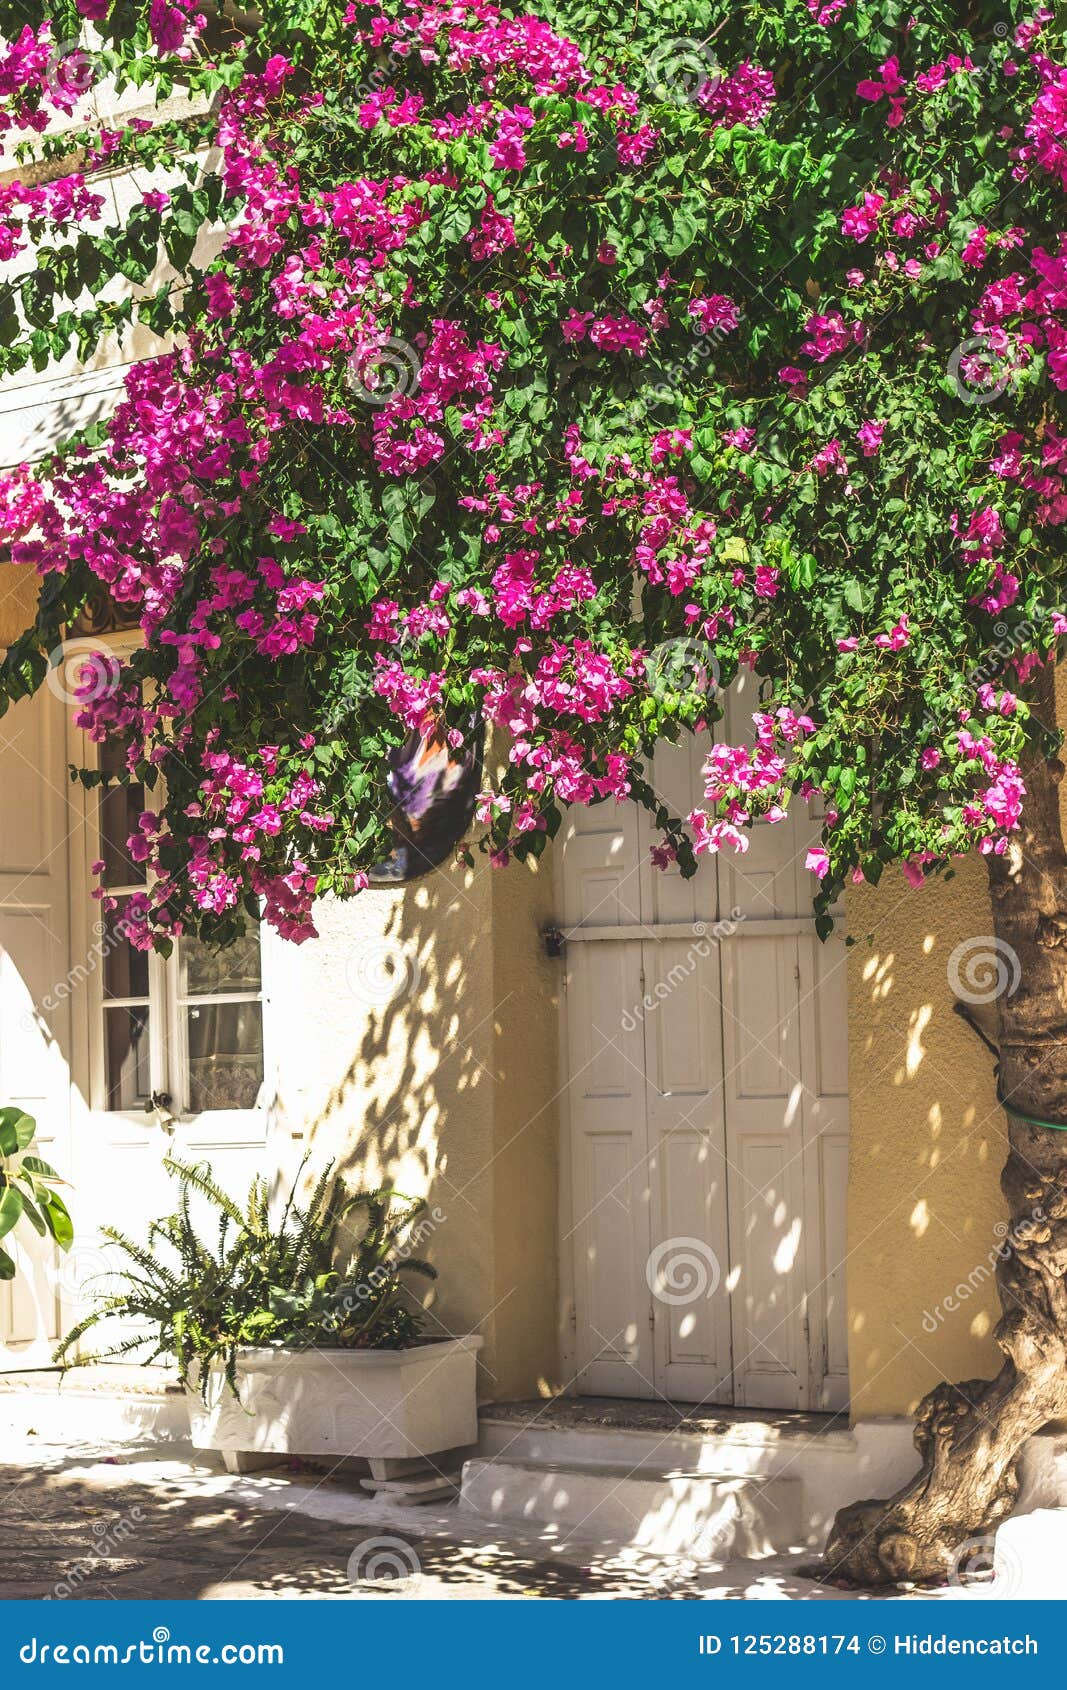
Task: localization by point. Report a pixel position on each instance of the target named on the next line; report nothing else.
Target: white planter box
(377, 1404)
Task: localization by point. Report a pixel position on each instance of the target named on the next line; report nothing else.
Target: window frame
(169, 1070)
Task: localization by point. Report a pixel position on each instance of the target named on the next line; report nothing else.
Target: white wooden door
(35, 1011)
(704, 1037)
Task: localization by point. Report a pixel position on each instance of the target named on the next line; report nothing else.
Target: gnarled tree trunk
(970, 1435)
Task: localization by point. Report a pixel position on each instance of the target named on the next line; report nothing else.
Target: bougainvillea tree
(547, 371)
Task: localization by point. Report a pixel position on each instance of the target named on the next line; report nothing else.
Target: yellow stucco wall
(927, 1145)
(18, 600)
(419, 1048)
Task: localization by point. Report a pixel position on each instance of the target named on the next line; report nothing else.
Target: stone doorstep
(656, 1415)
(712, 1444)
(670, 1512)
(831, 1466)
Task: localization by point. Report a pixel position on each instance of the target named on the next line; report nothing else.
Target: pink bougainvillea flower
(869, 435)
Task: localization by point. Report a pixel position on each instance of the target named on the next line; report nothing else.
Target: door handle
(158, 1104)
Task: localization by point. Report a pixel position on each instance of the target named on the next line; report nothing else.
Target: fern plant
(263, 1282)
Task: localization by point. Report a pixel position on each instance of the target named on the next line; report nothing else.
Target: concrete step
(749, 1445)
(666, 1511)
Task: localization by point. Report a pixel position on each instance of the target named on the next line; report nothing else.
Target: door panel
(684, 1099)
(605, 1093)
(765, 1143)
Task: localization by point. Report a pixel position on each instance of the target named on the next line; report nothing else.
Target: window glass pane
(236, 969)
(225, 1042)
(126, 1051)
(120, 807)
(125, 969)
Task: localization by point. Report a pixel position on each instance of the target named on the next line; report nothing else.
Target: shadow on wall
(419, 1046)
(926, 1218)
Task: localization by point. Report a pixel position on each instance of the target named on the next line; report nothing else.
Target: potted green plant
(27, 1187)
(283, 1351)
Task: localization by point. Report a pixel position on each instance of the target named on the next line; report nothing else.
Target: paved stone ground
(162, 1522)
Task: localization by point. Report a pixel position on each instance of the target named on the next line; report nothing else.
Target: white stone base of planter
(380, 1405)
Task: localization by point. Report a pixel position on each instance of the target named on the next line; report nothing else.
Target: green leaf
(35, 1165)
(31, 1214)
(16, 1130)
(57, 1219)
(10, 1208)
